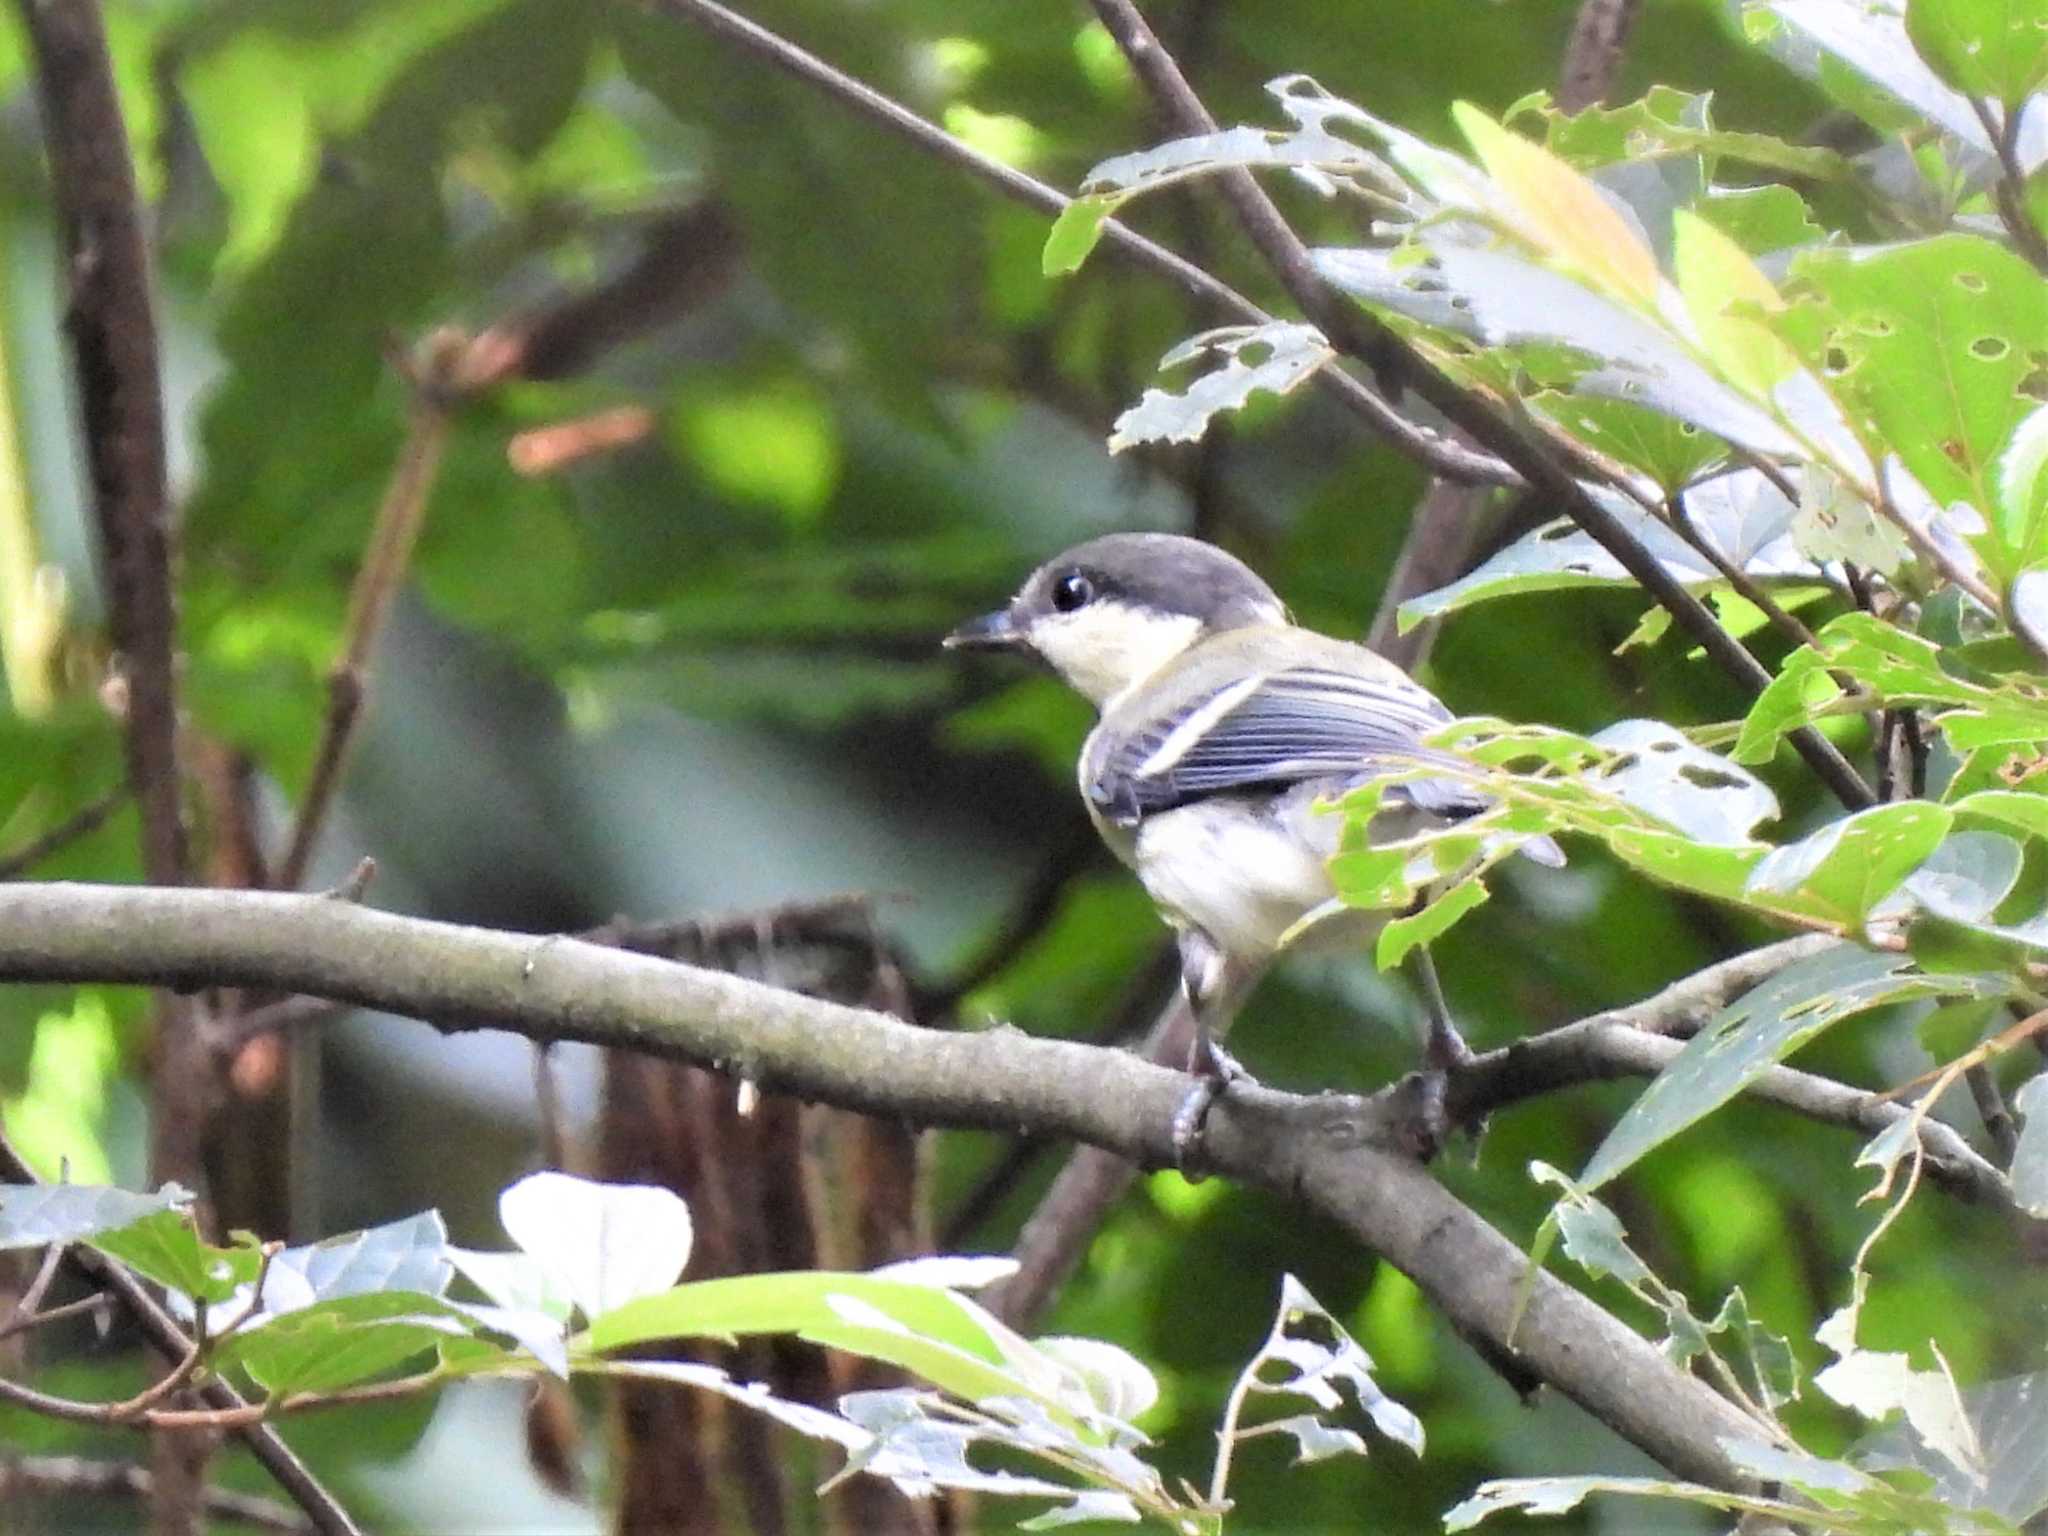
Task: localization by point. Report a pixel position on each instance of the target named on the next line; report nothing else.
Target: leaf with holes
(1927, 346)
(1666, 121)
(1840, 873)
(1759, 1030)
(1994, 48)
(1275, 358)
(1897, 667)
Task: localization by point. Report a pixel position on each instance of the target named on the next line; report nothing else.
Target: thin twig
(71, 1478)
(1433, 451)
(1745, 585)
(2010, 190)
(82, 822)
(24, 1320)
(173, 1343)
(400, 516)
(1358, 334)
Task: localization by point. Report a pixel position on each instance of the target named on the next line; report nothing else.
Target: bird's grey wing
(1272, 729)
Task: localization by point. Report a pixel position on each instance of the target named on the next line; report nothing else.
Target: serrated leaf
(1666, 121)
(1276, 358)
(1724, 292)
(1756, 1032)
(1760, 219)
(1563, 213)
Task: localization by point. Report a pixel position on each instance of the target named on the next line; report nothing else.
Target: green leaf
(1074, 234)
(1670, 451)
(1562, 213)
(1405, 933)
(1741, 514)
(1668, 122)
(1842, 872)
(1756, 1032)
(35, 1215)
(165, 1248)
(1926, 347)
(942, 1337)
(338, 1343)
(1760, 219)
(1994, 48)
(1723, 292)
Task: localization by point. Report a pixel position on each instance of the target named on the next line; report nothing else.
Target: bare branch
(112, 330)
(1592, 57)
(83, 822)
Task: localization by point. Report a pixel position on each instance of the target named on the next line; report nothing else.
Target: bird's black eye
(1071, 591)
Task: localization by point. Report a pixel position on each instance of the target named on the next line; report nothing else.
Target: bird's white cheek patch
(1105, 647)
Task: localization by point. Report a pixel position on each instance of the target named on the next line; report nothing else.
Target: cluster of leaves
(313, 1323)
(1851, 418)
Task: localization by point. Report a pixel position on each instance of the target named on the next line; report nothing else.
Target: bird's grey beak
(991, 632)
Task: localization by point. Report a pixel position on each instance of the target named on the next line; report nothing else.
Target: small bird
(1222, 725)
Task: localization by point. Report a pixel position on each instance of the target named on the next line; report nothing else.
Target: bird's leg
(1208, 983)
(1442, 1046)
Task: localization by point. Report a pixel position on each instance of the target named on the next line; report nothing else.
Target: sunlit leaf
(604, 1244)
(1074, 234)
(1994, 48)
(2030, 1161)
(1723, 289)
(1927, 345)
(1565, 214)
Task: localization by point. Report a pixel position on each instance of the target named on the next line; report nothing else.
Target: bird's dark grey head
(1109, 612)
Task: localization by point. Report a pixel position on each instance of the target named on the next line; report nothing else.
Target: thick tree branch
(1324, 1150)
(1356, 333)
(1440, 455)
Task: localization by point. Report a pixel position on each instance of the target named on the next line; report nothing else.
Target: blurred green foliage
(696, 672)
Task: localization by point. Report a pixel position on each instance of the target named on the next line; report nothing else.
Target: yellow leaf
(1561, 212)
(1717, 277)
